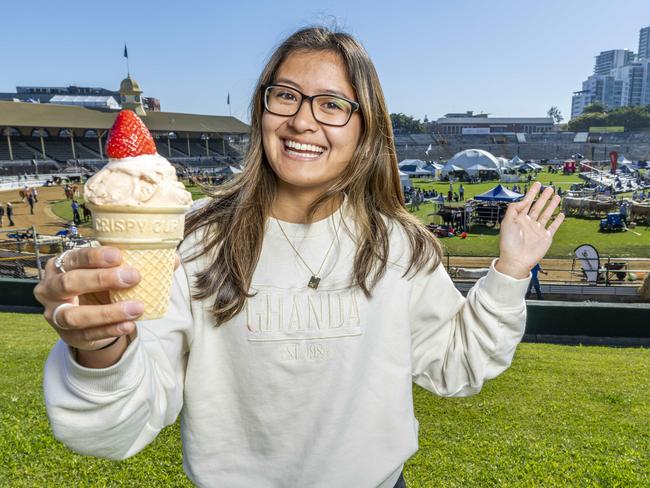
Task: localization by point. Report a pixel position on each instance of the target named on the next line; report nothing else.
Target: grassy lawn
(63, 210)
(473, 189)
(483, 241)
(561, 416)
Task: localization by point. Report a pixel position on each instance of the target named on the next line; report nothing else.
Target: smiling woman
(307, 302)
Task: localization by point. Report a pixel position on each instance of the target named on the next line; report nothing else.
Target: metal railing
(609, 271)
(23, 252)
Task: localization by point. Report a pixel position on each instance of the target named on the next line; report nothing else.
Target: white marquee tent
(472, 161)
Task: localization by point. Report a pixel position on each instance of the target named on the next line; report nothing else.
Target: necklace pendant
(313, 282)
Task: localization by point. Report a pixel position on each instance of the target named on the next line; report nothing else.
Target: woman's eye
(286, 96)
(332, 106)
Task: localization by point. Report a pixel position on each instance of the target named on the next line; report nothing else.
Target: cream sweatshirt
(303, 388)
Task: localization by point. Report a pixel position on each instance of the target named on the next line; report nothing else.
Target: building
(615, 58)
(644, 43)
(131, 96)
(50, 136)
(607, 89)
(84, 96)
(470, 123)
(620, 79)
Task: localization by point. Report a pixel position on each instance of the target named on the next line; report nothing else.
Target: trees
(405, 124)
(595, 108)
(628, 117)
(555, 114)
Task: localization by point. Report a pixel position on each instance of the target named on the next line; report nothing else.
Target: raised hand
(525, 237)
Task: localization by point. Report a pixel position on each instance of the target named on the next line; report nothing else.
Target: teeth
(304, 147)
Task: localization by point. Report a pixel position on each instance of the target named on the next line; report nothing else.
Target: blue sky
(502, 57)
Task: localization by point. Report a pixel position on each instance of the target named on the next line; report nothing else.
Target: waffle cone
(156, 267)
(147, 238)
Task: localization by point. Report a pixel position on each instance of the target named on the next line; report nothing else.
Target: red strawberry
(129, 137)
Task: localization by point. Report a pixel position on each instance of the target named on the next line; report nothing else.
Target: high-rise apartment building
(644, 43)
(614, 58)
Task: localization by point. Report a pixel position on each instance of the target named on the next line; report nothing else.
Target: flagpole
(126, 55)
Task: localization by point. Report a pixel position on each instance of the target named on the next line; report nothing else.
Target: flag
(228, 100)
(428, 149)
(126, 53)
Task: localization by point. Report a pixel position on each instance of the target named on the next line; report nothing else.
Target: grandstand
(635, 145)
(47, 138)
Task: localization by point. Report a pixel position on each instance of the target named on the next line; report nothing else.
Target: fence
(23, 253)
(606, 279)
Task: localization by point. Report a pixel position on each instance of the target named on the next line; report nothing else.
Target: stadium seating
(634, 145)
(83, 151)
(19, 150)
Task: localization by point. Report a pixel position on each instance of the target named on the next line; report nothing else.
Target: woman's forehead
(315, 72)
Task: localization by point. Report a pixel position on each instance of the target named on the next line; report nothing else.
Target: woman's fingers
(87, 258)
(78, 318)
(552, 229)
(83, 281)
(536, 209)
(529, 198)
(97, 257)
(94, 338)
(548, 212)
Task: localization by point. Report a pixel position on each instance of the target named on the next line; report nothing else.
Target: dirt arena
(43, 219)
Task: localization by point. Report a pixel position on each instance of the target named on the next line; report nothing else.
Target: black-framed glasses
(327, 109)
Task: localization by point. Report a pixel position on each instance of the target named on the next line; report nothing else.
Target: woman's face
(313, 169)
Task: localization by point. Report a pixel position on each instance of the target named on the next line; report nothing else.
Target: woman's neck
(294, 207)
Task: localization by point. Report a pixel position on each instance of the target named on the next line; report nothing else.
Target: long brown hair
(235, 217)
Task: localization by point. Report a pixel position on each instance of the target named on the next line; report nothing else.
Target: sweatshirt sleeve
(115, 412)
(457, 343)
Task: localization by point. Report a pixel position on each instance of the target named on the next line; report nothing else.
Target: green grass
(473, 189)
(483, 241)
(63, 210)
(560, 416)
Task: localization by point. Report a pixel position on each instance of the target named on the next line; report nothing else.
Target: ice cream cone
(147, 238)
(139, 206)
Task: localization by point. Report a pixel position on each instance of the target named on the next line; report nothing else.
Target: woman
(307, 301)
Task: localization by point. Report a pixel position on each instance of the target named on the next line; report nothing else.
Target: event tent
(416, 167)
(623, 159)
(529, 167)
(478, 167)
(516, 160)
(404, 180)
(499, 194)
(464, 160)
(503, 162)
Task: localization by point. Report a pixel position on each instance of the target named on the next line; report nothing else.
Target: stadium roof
(35, 115)
(495, 120)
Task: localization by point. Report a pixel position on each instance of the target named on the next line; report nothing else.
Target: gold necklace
(314, 281)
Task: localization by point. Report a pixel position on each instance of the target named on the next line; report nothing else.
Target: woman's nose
(304, 119)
